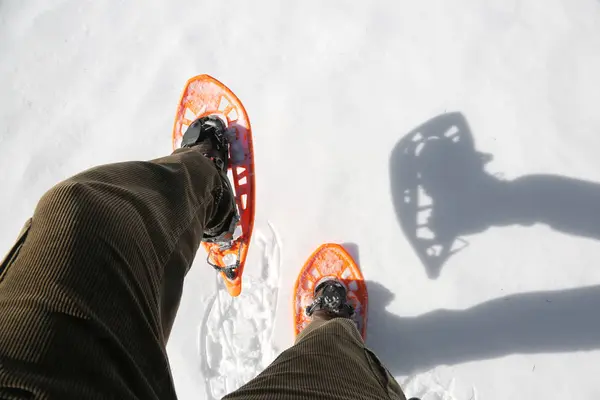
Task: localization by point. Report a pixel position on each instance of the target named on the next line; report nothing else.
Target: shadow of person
(536, 322)
(441, 191)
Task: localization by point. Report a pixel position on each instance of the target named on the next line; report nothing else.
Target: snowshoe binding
(209, 135)
(330, 296)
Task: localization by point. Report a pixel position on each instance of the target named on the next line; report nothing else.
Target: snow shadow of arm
(536, 322)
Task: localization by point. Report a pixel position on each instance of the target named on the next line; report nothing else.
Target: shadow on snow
(441, 191)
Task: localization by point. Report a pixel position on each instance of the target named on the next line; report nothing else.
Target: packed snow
(480, 247)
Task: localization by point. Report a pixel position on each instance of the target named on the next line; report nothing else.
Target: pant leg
(328, 362)
(89, 293)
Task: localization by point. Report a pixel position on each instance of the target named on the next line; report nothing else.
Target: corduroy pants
(89, 293)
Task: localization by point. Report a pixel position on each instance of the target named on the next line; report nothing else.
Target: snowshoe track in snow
(432, 386)
(235, 336)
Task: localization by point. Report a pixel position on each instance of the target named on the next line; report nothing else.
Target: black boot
(209, 135)
(330, 296)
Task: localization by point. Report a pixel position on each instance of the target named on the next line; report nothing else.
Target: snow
(331, 88)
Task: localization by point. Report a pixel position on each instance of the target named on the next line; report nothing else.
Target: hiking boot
(330, 301)
(209, 136)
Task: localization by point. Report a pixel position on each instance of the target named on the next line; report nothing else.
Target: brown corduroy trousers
(89, 293)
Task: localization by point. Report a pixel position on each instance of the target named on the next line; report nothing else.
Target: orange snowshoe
(329, 266)
(205, 96)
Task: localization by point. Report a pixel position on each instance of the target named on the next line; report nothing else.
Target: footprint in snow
(235, 337)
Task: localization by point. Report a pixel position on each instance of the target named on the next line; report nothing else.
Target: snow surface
(331, 88)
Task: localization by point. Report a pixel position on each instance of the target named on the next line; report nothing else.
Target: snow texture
(235, 339)
(480, 246)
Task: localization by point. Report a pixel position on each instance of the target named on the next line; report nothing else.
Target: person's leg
(89, 293)
(329, 361)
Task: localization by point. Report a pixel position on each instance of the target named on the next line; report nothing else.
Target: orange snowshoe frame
(204, 95)
(330, 261)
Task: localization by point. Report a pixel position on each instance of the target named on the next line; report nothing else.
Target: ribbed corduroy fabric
(328, 362)
(89, 293)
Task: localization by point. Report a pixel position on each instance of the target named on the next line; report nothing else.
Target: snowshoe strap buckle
(332, 299)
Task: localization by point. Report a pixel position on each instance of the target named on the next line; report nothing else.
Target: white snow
(331, 88)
